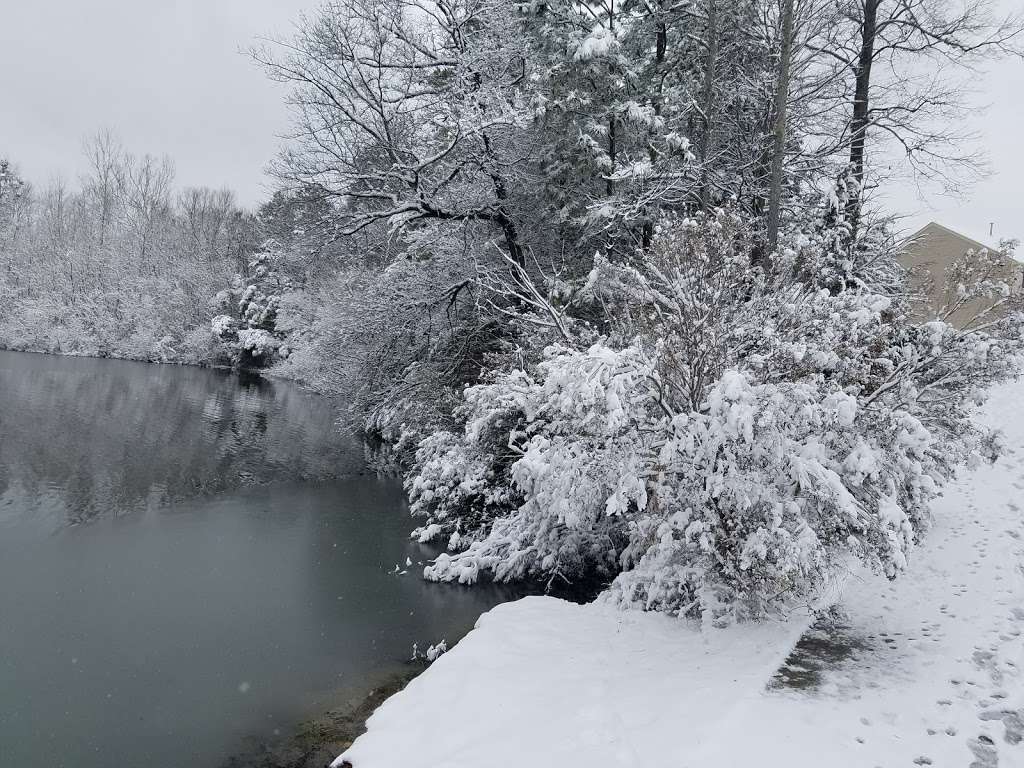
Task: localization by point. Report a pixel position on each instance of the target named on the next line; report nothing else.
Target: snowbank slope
(544, 682)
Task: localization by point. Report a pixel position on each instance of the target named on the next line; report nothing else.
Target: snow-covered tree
(735, 440)
(408, 112)
(251, 331)
(119, 266)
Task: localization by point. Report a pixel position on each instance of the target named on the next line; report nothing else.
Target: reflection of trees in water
(110, 437)
(381, 458)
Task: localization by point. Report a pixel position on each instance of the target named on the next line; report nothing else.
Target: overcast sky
(999, 199)
(168, 78)
(165, 76)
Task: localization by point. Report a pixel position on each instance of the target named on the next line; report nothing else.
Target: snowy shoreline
(98, 356)
(263, 373)
(931, 675)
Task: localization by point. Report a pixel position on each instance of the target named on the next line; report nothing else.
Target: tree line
(119, 264)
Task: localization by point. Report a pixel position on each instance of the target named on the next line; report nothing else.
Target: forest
(614, 281)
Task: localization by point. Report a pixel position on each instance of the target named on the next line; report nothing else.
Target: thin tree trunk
(660, 48)
(508, 227)
(779, 143)
(708, 100)
(610, 183)
(859, 124)
(612, 149)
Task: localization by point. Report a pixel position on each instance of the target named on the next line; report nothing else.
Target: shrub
(730, 445)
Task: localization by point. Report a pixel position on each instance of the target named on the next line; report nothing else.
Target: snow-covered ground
(925, 671)
(936, 678)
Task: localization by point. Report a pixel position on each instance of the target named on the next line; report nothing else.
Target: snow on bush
(222, 325)
(252, 337)
(258, 342)
(399, 345)
(723, 451)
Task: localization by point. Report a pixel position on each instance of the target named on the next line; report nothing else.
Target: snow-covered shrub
(257, 343)
(734, 441)
(199, 347)
(250, 331)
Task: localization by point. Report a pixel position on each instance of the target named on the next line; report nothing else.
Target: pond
(188, 561)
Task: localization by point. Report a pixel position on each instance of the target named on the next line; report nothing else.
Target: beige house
(939, 259)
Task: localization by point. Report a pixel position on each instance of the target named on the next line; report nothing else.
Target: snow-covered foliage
(711, 418)
(730, 445)
(396, 344)
(251, 334)
(120, 267)
(616, 142)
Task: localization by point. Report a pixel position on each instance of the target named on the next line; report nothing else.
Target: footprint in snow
(1013, 723)
(984, 752)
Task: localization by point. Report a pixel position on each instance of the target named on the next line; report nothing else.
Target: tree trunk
(508, 227)
(708, 100)
(612, 149)
(511, 235)
(779, 143)
(660, 47)
(859, 124)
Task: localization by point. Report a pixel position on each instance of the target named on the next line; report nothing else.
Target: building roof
(973, 243)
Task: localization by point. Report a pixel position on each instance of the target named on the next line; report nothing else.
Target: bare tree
(905, 58)
(204, 217)
(406, 111)
(145, 187)
(106, 157)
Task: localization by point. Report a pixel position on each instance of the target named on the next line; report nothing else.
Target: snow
(937, 679)
(925, 670)
(221, 325)
(545, 682)
(258, 341)
(600, 42)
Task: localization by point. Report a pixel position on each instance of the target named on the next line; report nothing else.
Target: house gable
(929, 253)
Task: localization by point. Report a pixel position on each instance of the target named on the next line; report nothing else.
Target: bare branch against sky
(992, 205)
(169, 78)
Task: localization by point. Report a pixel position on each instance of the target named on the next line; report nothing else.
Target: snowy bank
(937, 677)
(545, 682)
(930, 672)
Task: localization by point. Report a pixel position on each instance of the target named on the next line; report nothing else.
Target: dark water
(188, 561)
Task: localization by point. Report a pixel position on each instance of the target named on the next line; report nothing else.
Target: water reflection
(89, 437)
(237, 573)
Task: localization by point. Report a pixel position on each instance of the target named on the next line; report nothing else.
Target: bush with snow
(731, 444)
(251, 336)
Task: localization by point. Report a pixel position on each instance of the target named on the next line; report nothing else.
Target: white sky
(165, 75)
(168, 78)
(998, 199)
